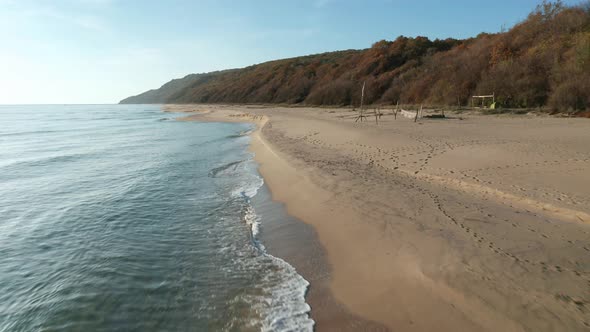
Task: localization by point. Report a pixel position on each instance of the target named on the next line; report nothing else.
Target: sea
(120, 218)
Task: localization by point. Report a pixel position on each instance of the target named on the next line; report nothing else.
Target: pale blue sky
(100, 51)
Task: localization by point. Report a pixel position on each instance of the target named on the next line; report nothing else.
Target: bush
(572, 95)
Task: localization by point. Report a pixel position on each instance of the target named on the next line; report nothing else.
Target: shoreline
(284, 236)
(479, 224)
(327, 311)
(296, 242)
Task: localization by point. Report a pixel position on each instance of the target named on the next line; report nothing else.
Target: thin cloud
(90, 23)
(35, 13)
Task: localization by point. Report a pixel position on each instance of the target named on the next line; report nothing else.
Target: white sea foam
(253, 221)
(250, 183)
(283, 307)
(281, 303)
(250, 189)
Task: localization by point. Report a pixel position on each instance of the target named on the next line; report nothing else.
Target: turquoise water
(118, 218)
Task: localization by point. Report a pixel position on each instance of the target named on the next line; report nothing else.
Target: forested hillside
(542, 61)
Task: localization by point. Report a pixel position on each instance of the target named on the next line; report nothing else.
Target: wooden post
(418, 111)
(363, 95)
(376, 118)
(362, 113)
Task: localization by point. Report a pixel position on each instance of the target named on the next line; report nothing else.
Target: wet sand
(474, 224)
(289, 238)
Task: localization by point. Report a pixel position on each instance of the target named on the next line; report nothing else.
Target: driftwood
(418, 112)
(362, 115)
(378, 115)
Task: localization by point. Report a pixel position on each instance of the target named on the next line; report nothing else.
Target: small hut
(483, 99)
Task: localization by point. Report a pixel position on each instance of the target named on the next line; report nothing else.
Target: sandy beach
(472, 223)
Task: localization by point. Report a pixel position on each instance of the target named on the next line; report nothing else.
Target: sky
(101, 51)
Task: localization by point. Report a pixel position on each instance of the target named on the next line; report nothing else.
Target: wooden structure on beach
(362, 116)
(411, 114)
(483, 100)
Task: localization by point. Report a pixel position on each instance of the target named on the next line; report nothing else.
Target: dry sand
(474, 224)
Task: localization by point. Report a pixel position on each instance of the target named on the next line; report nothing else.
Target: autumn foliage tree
(542, 61)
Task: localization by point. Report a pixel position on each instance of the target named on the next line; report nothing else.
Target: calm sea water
(117, 218)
